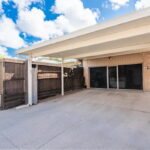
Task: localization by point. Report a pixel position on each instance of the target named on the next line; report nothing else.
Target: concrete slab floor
(89, 119)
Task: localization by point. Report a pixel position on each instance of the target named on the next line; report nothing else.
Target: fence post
(2, 88)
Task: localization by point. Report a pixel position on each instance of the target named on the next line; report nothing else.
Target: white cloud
(72, 16)
(140, 4)
(33, 23)
(3, 51)
(21, 4)
(1, 10)
(117, 4)
(9, 32)
(74, 13)
(24, 4)
(9, 35)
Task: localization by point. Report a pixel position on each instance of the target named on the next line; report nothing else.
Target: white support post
(107, 77)
(34, 84)
(29, 80)
(62, 77)
(117, 78)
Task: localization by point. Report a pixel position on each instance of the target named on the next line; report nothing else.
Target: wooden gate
(49, 80)
(13, 84)
(74, 78)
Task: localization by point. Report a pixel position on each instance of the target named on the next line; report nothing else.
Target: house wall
(143, 58)
(146, 64)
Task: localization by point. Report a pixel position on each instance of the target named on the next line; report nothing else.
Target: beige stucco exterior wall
(146, 82)
(143, 58)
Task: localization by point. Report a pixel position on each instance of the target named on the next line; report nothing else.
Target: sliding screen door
(130, 76)
(98, 77)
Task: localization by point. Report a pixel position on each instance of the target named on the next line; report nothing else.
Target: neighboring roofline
(100, 26)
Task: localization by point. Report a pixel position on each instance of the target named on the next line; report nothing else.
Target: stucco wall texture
(138, 58)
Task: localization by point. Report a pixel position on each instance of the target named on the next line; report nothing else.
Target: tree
(1, 57)
(50, 58)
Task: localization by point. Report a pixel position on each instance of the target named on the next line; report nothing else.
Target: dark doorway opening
(112, 77)
(130, 76)
(98, 77)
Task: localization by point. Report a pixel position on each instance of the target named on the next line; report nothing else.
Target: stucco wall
(143, 58)
(146, 73)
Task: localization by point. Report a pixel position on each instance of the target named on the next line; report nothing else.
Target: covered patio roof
(124, 35)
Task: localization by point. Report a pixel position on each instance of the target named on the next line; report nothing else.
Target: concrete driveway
(89, 119)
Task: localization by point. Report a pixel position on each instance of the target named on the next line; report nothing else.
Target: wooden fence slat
(14, 90)
(49, 86)
(49, 82)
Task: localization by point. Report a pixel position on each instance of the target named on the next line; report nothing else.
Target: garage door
(98, 77)
(130, 76)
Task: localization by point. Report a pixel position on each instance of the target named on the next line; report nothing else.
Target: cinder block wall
(143, 58)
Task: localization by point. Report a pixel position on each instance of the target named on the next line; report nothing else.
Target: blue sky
(26, 22)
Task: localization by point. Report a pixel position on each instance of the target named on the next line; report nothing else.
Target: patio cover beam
(112, 52)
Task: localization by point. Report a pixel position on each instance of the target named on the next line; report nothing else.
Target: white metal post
(117, 78)
(29, 80)
(34, 84)
(107, 77)
(62, 77)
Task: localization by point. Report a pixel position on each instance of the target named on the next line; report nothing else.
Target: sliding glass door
(117, 77)
(98, 77)
(130, 76)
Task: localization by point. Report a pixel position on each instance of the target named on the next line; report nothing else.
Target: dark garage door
(98, 77)
(130, 76)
